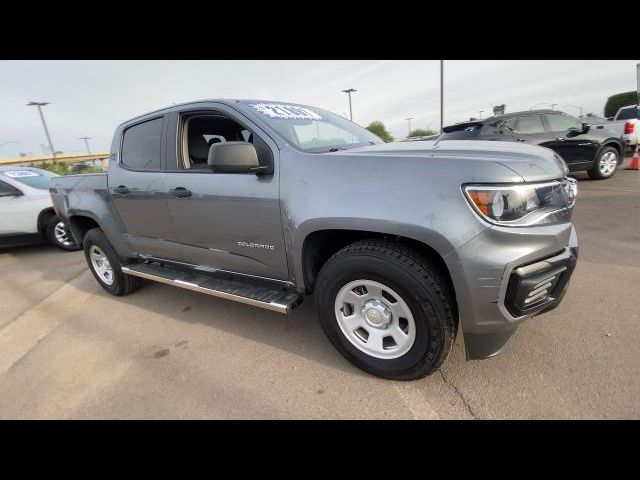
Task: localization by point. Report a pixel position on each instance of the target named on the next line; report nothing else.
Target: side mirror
(234, 157)
(574, 131)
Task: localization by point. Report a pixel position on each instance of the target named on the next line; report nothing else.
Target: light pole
(86, 142)
(349, 91)
(409, 122)
(553, 105)
(441, 95)
(569, 105)
(44, 124)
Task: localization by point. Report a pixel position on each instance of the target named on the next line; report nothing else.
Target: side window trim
(162, 144)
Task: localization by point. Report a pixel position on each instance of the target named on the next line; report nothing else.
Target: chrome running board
(277, 300)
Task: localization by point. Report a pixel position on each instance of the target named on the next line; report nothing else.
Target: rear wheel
(387, 309)
(59, 235)
(106, 265)
(606, 164)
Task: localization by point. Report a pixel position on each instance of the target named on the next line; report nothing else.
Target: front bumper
(505, 276)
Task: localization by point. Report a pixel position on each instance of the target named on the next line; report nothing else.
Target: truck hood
(532, 163)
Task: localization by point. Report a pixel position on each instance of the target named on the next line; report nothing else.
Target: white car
(26, 211)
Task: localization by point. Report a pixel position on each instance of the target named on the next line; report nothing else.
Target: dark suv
(598, 152)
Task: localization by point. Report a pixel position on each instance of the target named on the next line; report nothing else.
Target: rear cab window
(628, 113)
(141, 146)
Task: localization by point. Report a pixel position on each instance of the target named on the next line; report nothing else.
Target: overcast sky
(89, 98)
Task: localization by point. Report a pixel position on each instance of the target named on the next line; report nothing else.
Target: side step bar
(259, 296)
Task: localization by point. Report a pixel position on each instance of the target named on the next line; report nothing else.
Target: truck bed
(84, 186)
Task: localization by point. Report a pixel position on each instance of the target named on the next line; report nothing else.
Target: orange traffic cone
(634, 161)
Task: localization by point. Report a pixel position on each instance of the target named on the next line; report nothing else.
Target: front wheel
(387, 309)
(606, 164)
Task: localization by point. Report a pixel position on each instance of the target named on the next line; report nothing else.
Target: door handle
(121, 189)
(560, 139)
(180, 192)
(521, 139)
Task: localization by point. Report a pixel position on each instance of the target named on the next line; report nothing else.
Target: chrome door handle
(560, 139)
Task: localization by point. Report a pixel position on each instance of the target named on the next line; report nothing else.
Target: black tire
(65, 242)
(421, 285)
(123, 284)
(596, 172)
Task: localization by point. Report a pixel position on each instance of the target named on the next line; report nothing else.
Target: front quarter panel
(417, 197)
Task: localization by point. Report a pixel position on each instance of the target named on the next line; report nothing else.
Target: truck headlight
(524, 204)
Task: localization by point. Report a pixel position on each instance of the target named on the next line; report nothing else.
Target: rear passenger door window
(561, 123)
(141, 146)
(529, 125)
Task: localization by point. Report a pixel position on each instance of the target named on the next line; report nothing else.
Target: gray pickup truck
(265, 203)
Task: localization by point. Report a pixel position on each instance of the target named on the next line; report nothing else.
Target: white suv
(26, 211)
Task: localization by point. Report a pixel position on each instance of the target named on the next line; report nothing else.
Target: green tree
(380, 130)
(421, 132)
(614, 102)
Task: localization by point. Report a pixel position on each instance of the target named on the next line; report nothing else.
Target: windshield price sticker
(289, 112)
(21, 174)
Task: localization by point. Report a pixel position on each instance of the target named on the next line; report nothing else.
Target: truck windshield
(312, 129)
(35, 179)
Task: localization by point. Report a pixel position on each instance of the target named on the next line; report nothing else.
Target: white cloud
(89, 98)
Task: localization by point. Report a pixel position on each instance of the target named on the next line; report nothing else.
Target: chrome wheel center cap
(376, 314)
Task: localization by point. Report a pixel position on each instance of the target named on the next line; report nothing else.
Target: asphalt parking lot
(69, 350)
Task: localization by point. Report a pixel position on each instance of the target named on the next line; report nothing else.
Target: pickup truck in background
(625, 124)
(266, 203)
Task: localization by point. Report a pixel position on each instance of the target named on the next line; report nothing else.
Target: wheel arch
(43, 219)
(318, 246)
(612, 142)
(79, 225)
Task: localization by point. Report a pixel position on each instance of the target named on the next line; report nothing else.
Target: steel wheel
(101, 265)
(61, 235)
(608, 163)
(375, 319)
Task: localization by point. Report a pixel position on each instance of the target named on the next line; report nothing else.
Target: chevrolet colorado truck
(266, 202)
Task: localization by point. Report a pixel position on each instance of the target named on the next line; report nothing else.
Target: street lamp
(409, 122)
(441, 95)
(86, 142)
(569, 105)
(553, 105)
(349, 91)
(44, 124)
